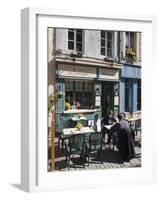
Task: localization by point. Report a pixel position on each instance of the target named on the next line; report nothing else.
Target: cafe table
(131, 121)
(72, 131)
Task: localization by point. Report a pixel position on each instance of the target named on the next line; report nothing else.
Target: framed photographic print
(86, 104)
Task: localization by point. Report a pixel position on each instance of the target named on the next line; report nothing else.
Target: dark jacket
(126, 143)
(108, 120)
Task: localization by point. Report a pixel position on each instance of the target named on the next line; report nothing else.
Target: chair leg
(58, 145)
(62, 145)
(68, 162)
(88, 159)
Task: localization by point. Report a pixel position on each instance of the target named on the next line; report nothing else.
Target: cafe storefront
(130, 88)
(90, 88)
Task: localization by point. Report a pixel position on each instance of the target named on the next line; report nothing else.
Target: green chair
(84, 122)
(94, 144)
(61, 138)
(95, 122)
(75, 146)
(137, 126)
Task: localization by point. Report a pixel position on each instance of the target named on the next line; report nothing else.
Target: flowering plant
(130, 53)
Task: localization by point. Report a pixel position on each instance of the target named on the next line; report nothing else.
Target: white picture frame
(34, 175)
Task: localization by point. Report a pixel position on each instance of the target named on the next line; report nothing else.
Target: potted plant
(130, 53)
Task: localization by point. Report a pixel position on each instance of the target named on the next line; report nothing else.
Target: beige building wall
(138, 49)
(51, 60)
(91, 43)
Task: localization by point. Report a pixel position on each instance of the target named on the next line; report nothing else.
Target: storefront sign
(76, 71)
(106, 73)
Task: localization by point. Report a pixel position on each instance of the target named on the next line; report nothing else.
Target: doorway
(107, 100)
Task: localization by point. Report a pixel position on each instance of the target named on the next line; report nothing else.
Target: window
(79, 91)
(126, 95)
(130, 40)
(139, 95)
(75, 39)
(106, 43)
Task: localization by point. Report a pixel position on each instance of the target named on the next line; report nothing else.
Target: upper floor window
(130, 40)
(106, 43)
(75, 39)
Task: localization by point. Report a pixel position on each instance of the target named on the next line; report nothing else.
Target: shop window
(126, 95)
(75, 39)
(80, 94)
(106, 43)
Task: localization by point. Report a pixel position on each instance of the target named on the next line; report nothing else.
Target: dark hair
(120, 116)
(110, 112)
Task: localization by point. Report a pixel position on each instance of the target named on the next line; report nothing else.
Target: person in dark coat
(125, 139)
(109, 119)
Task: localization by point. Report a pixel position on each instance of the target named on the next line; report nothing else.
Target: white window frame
(106, 48)
(129, 40)
(75, 40)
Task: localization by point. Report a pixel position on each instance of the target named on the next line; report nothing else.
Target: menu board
(97, 101)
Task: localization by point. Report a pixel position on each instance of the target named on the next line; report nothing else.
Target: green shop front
(90, 89)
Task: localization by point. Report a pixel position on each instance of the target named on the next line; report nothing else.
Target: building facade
(92, 71)
(130, 76)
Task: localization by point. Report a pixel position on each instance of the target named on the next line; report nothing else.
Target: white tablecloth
(71, 131)
(108, 126)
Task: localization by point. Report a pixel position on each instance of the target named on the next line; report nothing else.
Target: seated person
(125, 143)
(107, 120)
(67, 105)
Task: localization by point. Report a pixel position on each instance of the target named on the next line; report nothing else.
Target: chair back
(138, 123)
(77, 141)
(95, 140)
(95, 122)
(84, 122)
(95, 118)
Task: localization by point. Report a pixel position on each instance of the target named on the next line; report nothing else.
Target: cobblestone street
(110, 159)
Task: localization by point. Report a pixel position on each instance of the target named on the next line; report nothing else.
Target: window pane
(109, 45)
(109, 35)
(78, 96)
(79, 31)
(71, 45)
(102, 34)
(71, 29)
(79, 37)
(103, 51)
(79, 46)
(70, 35)
(102, 42)
(132, 40)
(109, 53)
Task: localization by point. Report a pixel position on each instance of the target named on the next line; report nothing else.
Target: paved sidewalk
(110, 157)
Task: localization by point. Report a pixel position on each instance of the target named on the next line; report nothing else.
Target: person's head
(110, 113)
(120, 116)
(67, 100)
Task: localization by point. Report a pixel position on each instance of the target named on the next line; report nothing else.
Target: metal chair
(84, 122)
(95, 122)
(61, 138)
(137, 126)
(94, 144)
(75, 146)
